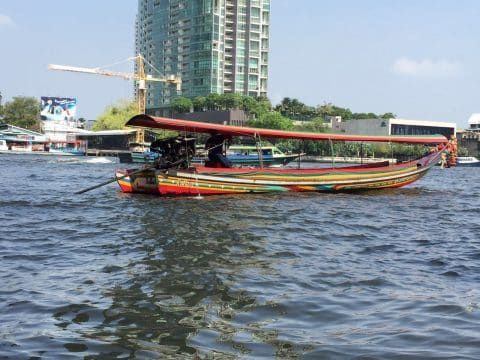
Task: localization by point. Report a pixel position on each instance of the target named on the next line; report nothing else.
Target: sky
(419, 59)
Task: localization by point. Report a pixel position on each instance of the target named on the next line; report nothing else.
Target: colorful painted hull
(201, 180)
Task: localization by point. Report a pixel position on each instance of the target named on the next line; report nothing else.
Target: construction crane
(138, 76)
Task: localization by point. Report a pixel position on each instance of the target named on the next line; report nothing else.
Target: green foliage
(315, 125)
(199, 103)
(249, 104)
(272, 120)
(364, 116)
(388, 115)
(213, 102)
(258, 107)
(294, 109)
(181, 105)
(231, 101)
(328, 109)
(22, 111)
(462, 151)
(115, 116)
(263, 107)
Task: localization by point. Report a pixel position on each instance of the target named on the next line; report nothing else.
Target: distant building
(60, 131)
(105, 141)
(13, 132)
(88, 125)
(469, 139)
(474, 122)
(17, 138)
(214, 46)
(227, 117)
(394, 126)
(110, 140)
(336, 124)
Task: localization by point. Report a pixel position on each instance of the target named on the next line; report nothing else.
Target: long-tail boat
(174, 173)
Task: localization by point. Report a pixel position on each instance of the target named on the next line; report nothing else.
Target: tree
(248, 104)
(213, 102)
(115, 116)
(291, 108)
(314, 125)
(181, 105)
(325, 110)
(199, 103)
(23, 112)
(232, 101)
(272, 120)
(328, 109)
(264, 106)
(388, 115)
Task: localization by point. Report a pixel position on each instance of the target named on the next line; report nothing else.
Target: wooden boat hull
(201, 180)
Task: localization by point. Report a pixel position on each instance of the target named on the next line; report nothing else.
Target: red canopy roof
(227, 130)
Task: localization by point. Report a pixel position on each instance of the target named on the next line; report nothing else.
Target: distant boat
(3, 145)
(471, 161)
(248, 155)
(52, 147)
(67, 147)
(238, 155)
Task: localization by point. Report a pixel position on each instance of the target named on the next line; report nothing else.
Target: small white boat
(468, 161)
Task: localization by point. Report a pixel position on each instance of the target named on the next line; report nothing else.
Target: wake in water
(85, 160)
(101, 160)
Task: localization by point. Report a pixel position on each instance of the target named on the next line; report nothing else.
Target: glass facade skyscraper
(214, 46)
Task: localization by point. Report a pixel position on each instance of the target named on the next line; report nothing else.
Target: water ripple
(389, 274)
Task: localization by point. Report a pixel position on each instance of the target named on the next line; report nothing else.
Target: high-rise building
(214, 46)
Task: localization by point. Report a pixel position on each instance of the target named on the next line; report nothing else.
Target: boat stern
(133, 181)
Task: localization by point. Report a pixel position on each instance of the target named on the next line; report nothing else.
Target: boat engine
(175, 152)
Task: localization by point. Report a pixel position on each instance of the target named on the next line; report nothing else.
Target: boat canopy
(227, 130)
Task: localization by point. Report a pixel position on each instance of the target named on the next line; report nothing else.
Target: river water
(393, 274)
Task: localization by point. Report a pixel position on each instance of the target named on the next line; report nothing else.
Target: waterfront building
(61, 131)
(474, 122)
(469, 139)
(17, 138)
(223, 117)
(393, 126)
(214, 46)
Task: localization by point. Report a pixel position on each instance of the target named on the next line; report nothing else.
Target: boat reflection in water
(182, 293)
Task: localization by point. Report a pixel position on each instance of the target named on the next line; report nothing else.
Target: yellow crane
(140, 77)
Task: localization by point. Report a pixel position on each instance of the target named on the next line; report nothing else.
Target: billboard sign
(58, 109)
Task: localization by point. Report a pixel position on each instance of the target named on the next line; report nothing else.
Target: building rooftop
(474, 119)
